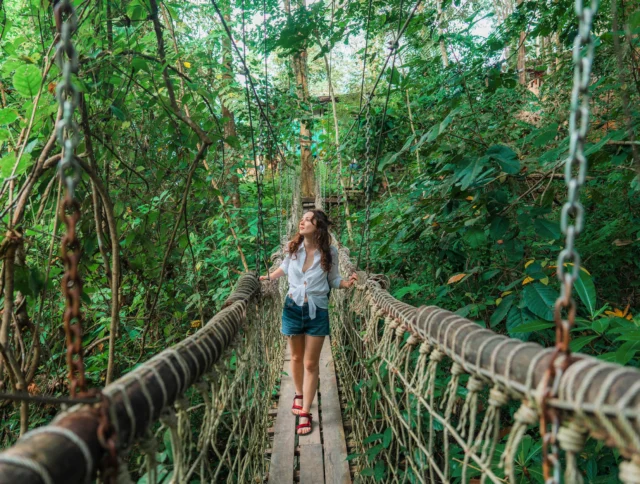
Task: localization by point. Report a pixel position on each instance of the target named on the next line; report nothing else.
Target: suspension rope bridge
(406, 394)
(209, 398)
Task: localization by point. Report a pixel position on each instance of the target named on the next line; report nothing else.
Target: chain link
(67, 134)
(70, 171)
(67, 94)
(571, 223)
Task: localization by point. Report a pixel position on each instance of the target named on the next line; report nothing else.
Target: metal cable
(365, 238)
(247, 73)
(259, 237)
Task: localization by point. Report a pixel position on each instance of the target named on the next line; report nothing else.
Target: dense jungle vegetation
(467, 133)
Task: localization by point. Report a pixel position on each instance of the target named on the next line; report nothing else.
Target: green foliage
(27, 79)
(469, 178)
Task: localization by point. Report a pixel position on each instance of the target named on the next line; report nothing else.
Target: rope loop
(526, 414)
(389, 321)
(475, 384)
(629, 472)
(169, 418)
(202, 386)
(148, 444)
(182, 404)
(498, 397)
(401, 329)
(72, 437)
(425, 348)
(572, 437)
(457, 369)
(30, 464)
(436, 355)
(414, 340)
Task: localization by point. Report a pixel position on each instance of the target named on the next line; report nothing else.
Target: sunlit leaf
(456, 278)
(7, 116)
(27, 79)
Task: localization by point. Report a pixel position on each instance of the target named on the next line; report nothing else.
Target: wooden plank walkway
(323, 452)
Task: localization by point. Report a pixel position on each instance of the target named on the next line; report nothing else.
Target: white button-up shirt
(315, 283)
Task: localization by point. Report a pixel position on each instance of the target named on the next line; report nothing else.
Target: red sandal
(296, 407)
(304, 425)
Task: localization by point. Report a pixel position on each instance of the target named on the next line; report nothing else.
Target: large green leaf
(516, 318)
(499, 227)
(540, 299)
(627, 351)
(502, 310)
(387, 438)
(547, 229)
(506, 158)
(27, 79)
(475, 237)
(470, 170)
(8, 161)
(586, 290)
(447, 120)
(411, 288)
(579, 343)
(545, 135)
(7, 116)
(532, 326)
(117, 112)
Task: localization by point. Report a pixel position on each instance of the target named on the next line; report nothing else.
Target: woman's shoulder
(333, 249)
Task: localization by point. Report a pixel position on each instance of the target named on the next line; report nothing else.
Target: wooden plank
(284, 436)
(311, 465)
(336, 467)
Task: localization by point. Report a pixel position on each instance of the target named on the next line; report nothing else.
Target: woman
(311, 266)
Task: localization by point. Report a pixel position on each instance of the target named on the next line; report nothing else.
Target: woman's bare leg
(297, 346)
(312, 349)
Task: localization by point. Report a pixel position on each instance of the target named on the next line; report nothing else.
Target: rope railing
(195, 411)
(435, 397)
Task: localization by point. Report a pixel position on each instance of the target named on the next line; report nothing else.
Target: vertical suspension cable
(364, 69)
(260, 234)
(276, 193)
(339, 187)
(370, 183)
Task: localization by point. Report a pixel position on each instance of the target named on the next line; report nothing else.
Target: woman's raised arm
(277, 274)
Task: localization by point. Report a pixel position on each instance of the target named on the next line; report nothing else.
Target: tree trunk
(522, 73)
(307, 177)
(443, 47)
(230, 124)
(558, 51)
(109, 26)
(8, 250)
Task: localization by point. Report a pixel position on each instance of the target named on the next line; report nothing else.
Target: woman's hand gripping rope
(346, 284)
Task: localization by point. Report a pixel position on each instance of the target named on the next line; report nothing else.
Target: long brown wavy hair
(321, 236)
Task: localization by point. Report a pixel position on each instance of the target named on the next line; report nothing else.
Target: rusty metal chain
(67, 134)
(571, 223)
(70, 171)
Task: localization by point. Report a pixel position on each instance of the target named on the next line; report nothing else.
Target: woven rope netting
(439, 398)
(196, 412)
(217, 431)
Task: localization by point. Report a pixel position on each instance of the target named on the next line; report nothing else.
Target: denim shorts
(295, 320)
